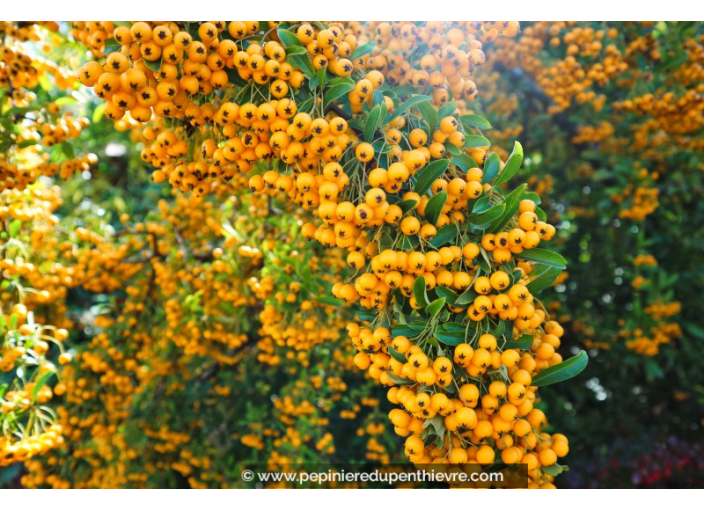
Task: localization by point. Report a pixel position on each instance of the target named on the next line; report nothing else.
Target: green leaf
(331, 301)
(360, 51)
(464, 161)
(454, 326)
(491, 167)
(544, 280)
(427, 175)
(419, 292)
(453, 150)
(366, 316)
(555, 469)
(447, 109)
(524, 343)
(653, 370)
(397, 355)
(434, 308)
(14, 228)
(513, 164)
(475, 121)
(449, 295)
(322, 76)
(63, 101)
(26, 143)
(444, 235)
(562, 371)
(487, 216)
(476, 141)
(339, 89)
(67, 149)
(547, 257)
(372, 125)
(541, 214)
(433, 208)
(467, 297)
(288, 38)
(482, 204)
(453, 338)
(154, 65)
(399, 380)
(404, 330)
(41, 382)
(409, 242)
(532, 196)
(292, 51)
(411, 102)
(430, 115)
(407, 205)
(512, 201)
(304, 63)
(98, 113)
(499, 329)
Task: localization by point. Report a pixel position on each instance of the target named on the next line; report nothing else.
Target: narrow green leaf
(430, 115)
(444, 235)
(434, 308)
(26, 143)
(464, 161)
(447, 109)
(292, 51)
(562, 371)
(373, 121)
(491, 167)
(399, 380)
(449, 295)
(544, 280)
(360, 51)
(427, 175)
(453, 338)
(409, 242)
(420, 293)
(14, 228)
(411, 102)
(40, 383)
(475, 121)
(331, 301)
(476, 141)
(467, 297)
(532, 196)
(543, 256)
(63, 101)
(404, 330)
(322, 76)
(512, 200)
(487, 216)
(288, 38)
(524, 343)
(154, 65)
(98, 113)
(338, 90)
(433, 208)
(513, 164)
(482, 204)
(407, 205)
(397, 355)
(454, 326)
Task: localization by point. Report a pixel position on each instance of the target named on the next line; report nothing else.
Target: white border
(507, 9)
